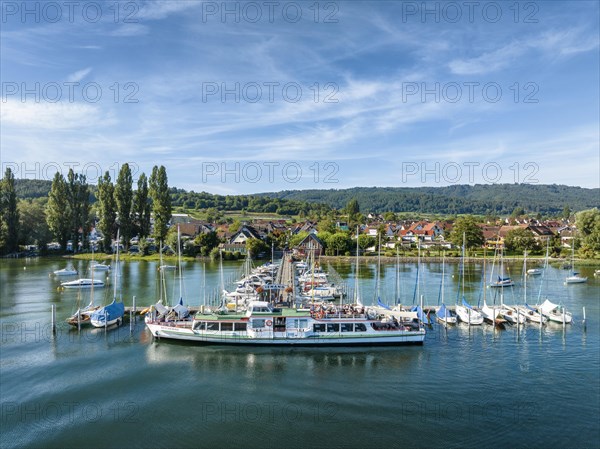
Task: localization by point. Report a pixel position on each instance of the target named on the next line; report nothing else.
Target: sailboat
(555, 312)
(491, 315)
(465, 312)
(502, 281)
(82, 315)
(113, 312)
(161, 312)
(443, 314)
(527, 311)
(575, 277)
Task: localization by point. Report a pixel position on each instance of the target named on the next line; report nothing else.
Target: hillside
(501, 199)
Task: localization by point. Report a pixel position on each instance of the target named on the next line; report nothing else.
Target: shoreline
(348, 259)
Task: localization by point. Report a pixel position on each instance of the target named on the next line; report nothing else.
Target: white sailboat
(555, 312)
(465, 312)
(490, 314)
(82, 315)
(112, 313)
(528, 312)
(443, 314)
(575, 277)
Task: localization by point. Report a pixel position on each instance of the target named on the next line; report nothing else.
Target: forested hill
(499, 199)
(547, 199)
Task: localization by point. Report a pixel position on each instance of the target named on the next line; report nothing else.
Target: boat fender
(269, 323)
(118, 321)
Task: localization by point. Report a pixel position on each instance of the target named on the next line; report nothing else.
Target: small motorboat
(83, 283)
(65, 272)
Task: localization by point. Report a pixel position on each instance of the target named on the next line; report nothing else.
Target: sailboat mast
(116, 266)
(525, 277)
(377, 291)
(356, 289)
(463, 264)
(397, 275)
(179, 263)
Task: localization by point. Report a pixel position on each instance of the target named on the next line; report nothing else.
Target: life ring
(269, 323)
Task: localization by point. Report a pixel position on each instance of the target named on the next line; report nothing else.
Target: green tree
(33, 228)
(588, 226)
(161, 201)
(520, 239)
(57, 210)
(9, 214)
(124, 200)
(255, 246)
(207, 242)
(366, 241)
(467, 225)
(78, 195)
(340, 242)
(142, 207)
(107, 210)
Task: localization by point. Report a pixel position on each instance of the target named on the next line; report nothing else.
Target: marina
(287, 390)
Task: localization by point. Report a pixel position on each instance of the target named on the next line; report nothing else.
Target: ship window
(240, 326)
(360, 327)
(226, 326)
(346, 327)
(333, 327)
(320, 327)
(200, 325)
(214, 326)
(297, 324)
(257, 324)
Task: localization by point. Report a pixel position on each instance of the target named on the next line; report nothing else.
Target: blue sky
(244, 97)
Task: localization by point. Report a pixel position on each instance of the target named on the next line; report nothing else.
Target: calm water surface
(465, 387)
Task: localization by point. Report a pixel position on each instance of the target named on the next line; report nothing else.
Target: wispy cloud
(79, 75)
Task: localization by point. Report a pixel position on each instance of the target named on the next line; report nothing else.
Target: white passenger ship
(262, 324)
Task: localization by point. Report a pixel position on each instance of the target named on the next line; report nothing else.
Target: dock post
(134, 310)
(53, 318)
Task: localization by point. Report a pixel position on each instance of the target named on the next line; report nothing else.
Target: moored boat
(65, 272)
(555, 312)
(83, 283)
(265, 325)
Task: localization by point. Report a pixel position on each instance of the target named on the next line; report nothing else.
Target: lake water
(465, 387)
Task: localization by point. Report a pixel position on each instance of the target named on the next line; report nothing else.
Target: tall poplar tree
(142, 207)
(107, 210)
(161, 202)
(124, 200)
(57, 210)
(79, 206)
(9, 214)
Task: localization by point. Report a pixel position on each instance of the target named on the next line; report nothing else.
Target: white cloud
(79, 75)
(49, 115)
(488, 62)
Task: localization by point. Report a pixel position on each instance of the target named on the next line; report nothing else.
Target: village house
(311, 244)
